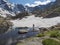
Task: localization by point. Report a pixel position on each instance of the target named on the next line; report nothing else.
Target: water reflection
(13, 36)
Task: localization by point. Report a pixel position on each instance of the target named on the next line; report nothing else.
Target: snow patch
(37, 21)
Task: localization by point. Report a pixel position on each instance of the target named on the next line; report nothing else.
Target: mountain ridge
(9, 9)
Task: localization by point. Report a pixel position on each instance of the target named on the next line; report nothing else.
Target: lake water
(13, 36)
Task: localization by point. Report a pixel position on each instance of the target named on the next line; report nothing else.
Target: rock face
(2, 2)
(19, 8)
(4, 25)
(58, 2)
(52, 15)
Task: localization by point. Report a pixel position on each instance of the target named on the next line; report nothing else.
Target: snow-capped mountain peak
(11, 9)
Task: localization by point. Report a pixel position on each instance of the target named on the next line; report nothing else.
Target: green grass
(40, 35)
(50, 42)
(51, 33)
(48, 33)
(55, 34)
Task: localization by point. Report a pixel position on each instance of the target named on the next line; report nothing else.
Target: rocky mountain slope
(48, 10)
(9, 9)
(12, 10)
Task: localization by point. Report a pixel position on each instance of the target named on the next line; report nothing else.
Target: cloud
(36, 3)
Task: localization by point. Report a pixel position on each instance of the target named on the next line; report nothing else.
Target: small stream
(13, 36)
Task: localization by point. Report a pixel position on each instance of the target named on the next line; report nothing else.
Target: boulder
(22, 31)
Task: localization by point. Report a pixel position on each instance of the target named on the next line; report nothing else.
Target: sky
(31, 3)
